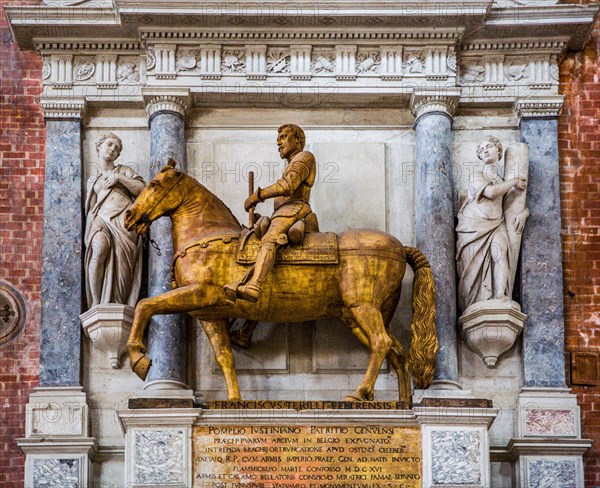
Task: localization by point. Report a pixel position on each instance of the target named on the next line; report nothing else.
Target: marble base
(107, 327)
(549, 449)
(491, 328)
(456, 446)
(57, 444)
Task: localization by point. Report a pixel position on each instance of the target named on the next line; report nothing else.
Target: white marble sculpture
(113, 257)
(490, 225)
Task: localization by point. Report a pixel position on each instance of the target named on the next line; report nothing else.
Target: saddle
(315, 248)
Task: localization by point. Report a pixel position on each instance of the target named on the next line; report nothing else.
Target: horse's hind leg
(399, 362)
(370, 321)
(396, 356)
(218, 335)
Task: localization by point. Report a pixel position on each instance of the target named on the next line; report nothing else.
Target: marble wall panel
(552, 472)
(159, 457)
(456, 457)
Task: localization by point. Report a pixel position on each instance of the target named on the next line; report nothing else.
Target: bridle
(144, 217)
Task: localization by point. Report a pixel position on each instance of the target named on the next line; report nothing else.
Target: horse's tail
(424, 343)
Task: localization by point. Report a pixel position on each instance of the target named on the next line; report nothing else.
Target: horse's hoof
(352, 398)
(239, 340)
(141, 367)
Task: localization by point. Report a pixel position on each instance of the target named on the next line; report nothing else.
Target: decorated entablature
(398, 95)
(306, 53)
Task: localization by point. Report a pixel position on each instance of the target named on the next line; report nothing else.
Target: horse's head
(161, 196)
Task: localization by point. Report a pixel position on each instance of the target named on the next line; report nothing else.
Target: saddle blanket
(317, 248)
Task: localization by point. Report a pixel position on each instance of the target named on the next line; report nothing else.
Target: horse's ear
(171, 162)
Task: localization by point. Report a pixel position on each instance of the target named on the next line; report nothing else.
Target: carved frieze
(233, 60)
(368, 61)
(187, 60)
(502, 71)
(278, 61)
(323, 61)
(128, 70)
(83, 68)
(414, 62)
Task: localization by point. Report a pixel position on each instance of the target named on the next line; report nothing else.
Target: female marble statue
(113, 257)
(485, 260)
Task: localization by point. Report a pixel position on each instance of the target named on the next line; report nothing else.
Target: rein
(146, 220)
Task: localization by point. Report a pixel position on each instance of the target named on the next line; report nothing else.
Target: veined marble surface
(548, 473)
(455, 457)
(56, 473)
(159, 457)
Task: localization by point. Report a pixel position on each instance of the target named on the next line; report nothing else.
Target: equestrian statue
(282, 270)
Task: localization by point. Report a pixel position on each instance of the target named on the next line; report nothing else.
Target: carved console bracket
(107, 327)
(491, 328)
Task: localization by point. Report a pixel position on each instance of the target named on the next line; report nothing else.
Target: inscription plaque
(293, 456)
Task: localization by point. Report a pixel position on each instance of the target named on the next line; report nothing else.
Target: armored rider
(291, 193)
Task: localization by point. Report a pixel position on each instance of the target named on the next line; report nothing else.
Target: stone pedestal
(107, 327)
(456, 442)
(548, 447)
(57, 443)
(491, 328)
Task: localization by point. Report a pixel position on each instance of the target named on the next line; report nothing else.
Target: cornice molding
(443, 100)
(63, 109)
(224, 35)
(538, 107)
(94, 45)
(513, 46)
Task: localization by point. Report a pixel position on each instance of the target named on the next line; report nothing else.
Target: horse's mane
(197, 183)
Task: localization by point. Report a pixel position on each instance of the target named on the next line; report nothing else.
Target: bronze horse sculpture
(362, 289)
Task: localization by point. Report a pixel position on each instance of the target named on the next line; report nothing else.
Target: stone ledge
(552, 446)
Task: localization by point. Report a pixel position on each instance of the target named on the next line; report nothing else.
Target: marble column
(541, 254)
(434, 215)
(167, 334)
(62, 272)
(544, 393)
(57, 413)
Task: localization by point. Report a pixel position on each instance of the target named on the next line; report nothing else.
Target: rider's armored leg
(264, 263)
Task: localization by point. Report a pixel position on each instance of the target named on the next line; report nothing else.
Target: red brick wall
(22, 136)
(579, 152)
(21, 209)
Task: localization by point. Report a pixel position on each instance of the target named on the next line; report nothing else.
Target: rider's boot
(264, 263)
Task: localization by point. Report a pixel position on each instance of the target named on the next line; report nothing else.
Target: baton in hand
(250, 193)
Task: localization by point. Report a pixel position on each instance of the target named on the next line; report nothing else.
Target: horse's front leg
(218, 335)
(184, 299)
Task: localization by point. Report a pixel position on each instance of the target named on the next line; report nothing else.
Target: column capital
(173, 100)
(63, 109)
(536, 107)
(444, 100)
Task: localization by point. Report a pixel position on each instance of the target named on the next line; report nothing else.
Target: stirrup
(231, 292)
(249, 292)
